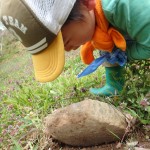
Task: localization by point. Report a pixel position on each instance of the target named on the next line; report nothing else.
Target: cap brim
(49, 63)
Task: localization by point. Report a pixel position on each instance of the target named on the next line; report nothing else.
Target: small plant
(135, 94)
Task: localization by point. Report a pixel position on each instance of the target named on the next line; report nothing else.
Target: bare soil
(48, 143)
(142, 143)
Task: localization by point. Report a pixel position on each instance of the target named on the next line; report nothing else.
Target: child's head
(38, 25)
(80, 25)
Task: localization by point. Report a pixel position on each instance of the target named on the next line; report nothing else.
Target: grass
(28, 101)
(24, 102)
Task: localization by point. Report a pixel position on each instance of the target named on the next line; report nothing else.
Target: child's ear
(90, 4)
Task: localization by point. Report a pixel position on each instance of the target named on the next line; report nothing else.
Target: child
(120, 14)
(46, 28)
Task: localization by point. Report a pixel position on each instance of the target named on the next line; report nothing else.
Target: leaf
(145, 121)
(18, 147)
(53, 92)
(148, 109)
(132, 112)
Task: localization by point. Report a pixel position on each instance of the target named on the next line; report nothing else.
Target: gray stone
(86, 123)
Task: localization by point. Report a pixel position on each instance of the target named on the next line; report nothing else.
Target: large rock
(86, 123)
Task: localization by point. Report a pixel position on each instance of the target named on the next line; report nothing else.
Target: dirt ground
(53, 145)
(136, 139)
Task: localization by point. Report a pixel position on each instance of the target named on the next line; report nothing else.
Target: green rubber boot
(114, 82)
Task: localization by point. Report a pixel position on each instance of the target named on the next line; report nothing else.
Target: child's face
(76, 33)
